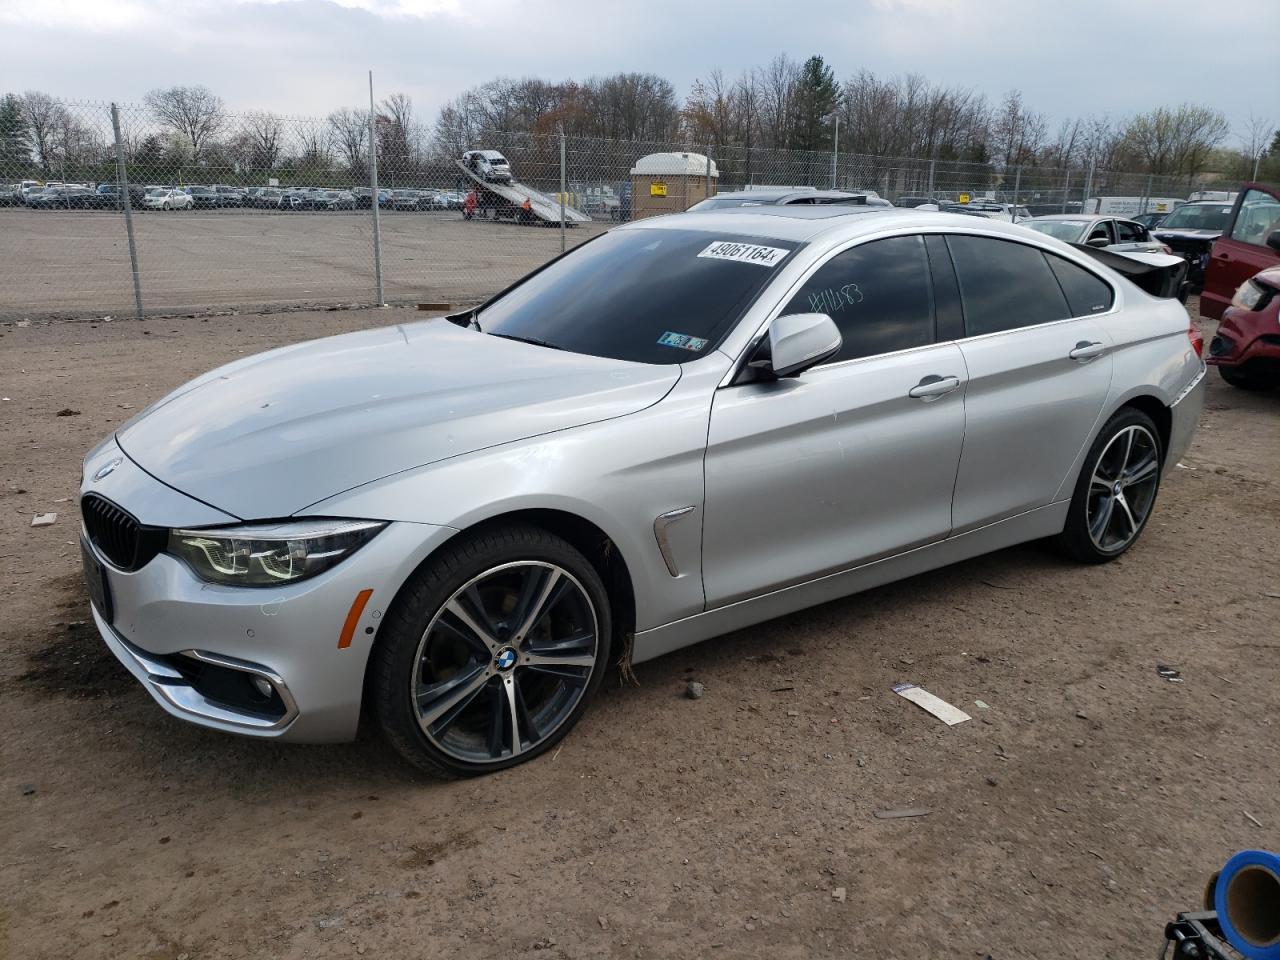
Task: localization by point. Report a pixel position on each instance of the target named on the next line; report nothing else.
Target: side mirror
(1273, 240)
(797, 342)
(1098, 242)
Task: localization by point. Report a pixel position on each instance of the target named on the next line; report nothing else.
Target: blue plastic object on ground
(1247, 899)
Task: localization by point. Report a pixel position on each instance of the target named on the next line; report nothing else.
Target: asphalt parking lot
(75, 264)
(1070, 819)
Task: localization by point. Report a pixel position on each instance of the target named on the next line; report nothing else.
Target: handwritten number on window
(833, 300)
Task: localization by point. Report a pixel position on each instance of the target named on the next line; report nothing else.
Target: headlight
(1252, 295)
(270, 554)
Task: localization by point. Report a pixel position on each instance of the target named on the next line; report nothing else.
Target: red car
(1250, 243)
(1246, 348)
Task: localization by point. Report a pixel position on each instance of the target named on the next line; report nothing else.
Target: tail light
(1196, 338)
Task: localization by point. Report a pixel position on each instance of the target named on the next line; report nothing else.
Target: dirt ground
(73, 264)
(1070, 819)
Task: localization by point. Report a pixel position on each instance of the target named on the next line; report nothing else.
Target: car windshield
(647, 295)
(155, 192)
(1068, 230)
(1198, 216)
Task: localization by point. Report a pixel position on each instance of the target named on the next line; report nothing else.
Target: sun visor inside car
(1167, 279)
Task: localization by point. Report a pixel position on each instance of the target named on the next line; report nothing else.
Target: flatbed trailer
(512, 197)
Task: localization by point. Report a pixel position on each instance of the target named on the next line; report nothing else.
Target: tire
(453, 703)
(1242, 379)
(165, 206)
(1116, 491)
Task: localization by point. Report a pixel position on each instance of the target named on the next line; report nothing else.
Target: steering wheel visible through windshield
(648, 295)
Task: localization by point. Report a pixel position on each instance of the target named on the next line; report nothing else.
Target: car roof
(804, 222)
(1079, 216)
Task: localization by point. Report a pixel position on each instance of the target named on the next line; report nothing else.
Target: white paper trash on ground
(44, 519)
(927, 701)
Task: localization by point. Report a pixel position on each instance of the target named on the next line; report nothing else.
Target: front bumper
(1244, 336)
(187, 641)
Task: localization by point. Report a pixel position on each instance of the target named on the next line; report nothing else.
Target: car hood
(268, 435)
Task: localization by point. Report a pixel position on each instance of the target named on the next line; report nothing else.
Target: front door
(851, 461)
(1242, 251)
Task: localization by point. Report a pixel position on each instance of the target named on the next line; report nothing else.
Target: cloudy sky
(305, 57)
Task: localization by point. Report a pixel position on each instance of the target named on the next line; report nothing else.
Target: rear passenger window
(1085, 292)
(1004, 285)
(879, 294)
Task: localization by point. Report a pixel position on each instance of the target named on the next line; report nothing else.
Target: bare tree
(194, 113)
(1018, 133)
(1177, 140)
(263, 134)
(350, 130)
(44, 116)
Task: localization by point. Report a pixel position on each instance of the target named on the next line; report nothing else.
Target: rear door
(1133, 237)
(1242, 250)
(1039, 366)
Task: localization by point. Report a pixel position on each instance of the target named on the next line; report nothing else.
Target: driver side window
(879, 294)
(1259, 216)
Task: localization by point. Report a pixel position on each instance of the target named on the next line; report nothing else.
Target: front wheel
(1116, 489)
(491, 653)
(1242, 379)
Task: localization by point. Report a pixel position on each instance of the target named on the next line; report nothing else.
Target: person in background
(469, 206)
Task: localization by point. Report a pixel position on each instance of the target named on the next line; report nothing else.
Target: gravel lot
(75, 264)
(1071, 819)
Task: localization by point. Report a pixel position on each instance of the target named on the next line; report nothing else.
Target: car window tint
(1086, 293)
(878, 294)
(1259, 216)
(1127, 232)
(651, 295)
(1004, 285)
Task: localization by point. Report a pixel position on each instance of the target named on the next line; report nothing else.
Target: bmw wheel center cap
(506, 658)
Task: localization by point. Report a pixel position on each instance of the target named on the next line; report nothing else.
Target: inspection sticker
(745, 253)
(682, 340)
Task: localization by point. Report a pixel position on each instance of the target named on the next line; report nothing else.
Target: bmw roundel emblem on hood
(107, 469)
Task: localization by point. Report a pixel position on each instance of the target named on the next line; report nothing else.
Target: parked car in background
(1190, 231)
(63, 198)
(333, 200)
(463, 538)
(1107, 233)
(910, 202)
(10, 194)
(406, 200)
(950, 206)
(231, 196)
(108, 196)
(782, 197)
(364, 197)
(167, 198)
(204, 198)
(268, 198)
(1248, 244)
(488, 165)
(1149, 220)
(995, 210)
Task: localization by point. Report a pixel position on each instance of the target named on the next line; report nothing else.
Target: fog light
(263, 686)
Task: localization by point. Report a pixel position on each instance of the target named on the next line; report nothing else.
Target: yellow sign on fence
(657, 189)
(964, 198)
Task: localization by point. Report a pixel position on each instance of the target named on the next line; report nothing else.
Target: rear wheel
(1116, 490)
(491, 653)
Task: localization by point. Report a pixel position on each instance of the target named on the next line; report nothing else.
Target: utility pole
(373, 195)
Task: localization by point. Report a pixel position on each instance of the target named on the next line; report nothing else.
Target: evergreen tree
(817, 95)
(15, 141)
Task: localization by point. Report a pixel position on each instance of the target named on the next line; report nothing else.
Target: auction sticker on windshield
(745, 253)
(682, 340)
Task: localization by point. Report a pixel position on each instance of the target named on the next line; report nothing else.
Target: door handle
(1087, 350)
(934, 387)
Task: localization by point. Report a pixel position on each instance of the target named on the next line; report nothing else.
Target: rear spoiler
(1158, 274)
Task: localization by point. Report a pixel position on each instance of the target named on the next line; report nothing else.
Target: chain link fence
(126, 210)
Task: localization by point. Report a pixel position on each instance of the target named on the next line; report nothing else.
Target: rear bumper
(1185, 416)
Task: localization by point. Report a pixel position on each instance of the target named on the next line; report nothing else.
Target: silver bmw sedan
(682, 427)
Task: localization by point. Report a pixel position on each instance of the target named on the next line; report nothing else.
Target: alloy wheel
(1122, 488)
(504, 662)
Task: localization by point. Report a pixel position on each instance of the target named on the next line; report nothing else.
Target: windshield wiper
(533, 340)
